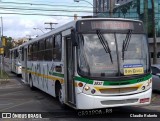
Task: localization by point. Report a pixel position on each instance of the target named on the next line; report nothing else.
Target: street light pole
(154, 34)
(2, 25)
(91, 5)
(39, 29)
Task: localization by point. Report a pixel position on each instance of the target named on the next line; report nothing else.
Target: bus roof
(120, 19)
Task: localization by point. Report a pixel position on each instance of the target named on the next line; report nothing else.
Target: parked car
(156, 76)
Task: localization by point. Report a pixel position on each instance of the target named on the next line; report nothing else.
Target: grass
(3, 75)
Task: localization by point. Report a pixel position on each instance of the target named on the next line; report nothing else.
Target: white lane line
(6, 103)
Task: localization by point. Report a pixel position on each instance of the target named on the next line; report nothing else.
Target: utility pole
(75, 16)
(2, 25)
(112, 5)
(146, 15)
(2, 48)
(50, 23)
(154, 35)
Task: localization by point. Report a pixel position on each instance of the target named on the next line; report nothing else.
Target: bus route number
(98, 83)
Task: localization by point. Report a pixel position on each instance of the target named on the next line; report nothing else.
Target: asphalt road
(16, 97)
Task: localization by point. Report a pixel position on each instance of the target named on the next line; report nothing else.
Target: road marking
(16, 105)
(6, 103)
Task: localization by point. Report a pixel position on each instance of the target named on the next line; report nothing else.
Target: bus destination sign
(111, 25)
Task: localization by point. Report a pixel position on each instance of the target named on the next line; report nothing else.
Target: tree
(8, 46)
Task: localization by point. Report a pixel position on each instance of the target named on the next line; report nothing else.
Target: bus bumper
(85, 101)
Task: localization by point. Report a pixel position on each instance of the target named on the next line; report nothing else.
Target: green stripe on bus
(83, 80)
(133, 81)
(56, 74)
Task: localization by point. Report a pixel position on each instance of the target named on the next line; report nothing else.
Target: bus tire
(59, 95)
(31, 83)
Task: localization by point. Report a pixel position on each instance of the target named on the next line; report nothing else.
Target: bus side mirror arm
(74, 37)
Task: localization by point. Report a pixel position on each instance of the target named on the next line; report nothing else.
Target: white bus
(15, 60)
(91, 63)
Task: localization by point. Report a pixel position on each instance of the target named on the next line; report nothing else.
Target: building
(132, 9)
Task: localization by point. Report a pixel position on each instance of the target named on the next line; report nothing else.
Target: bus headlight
(147, 84)
(87, 88)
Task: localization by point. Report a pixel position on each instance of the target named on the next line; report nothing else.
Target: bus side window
(35, 48)
(57, 49)
(41, 49)
(22, 53)
(48, 51)
(30, 52)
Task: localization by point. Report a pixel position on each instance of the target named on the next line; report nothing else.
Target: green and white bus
(91, 63)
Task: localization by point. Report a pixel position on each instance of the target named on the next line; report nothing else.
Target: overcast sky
(18, 26)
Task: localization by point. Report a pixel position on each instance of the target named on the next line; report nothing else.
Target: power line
(39, 14)
(40, 1)
(43, 4)
(11, 8)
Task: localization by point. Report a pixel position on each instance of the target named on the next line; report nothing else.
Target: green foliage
(9, 39)
(8, 46)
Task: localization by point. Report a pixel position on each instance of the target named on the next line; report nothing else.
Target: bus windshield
(95, 61)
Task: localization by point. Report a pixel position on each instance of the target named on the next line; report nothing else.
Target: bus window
(57, 50)
(22, 53)
(41, 51)
(30, 52)
(48, 51)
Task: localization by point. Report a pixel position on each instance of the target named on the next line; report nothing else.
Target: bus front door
(70, 71)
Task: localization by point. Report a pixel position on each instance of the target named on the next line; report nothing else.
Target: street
(17, 97)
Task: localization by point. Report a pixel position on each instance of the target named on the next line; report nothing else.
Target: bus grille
(118, 90)
(113, 102)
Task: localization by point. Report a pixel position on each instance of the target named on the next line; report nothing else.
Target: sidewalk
(9, 83)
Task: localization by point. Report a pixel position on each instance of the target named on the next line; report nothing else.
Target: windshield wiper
(126, 42)
(104, 44)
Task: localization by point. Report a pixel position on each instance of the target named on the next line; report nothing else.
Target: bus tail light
(144, 100)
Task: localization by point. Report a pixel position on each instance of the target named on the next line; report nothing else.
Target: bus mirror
(74, 37)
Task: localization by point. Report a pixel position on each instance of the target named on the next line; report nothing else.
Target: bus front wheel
(59, 95)
(31, 83)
